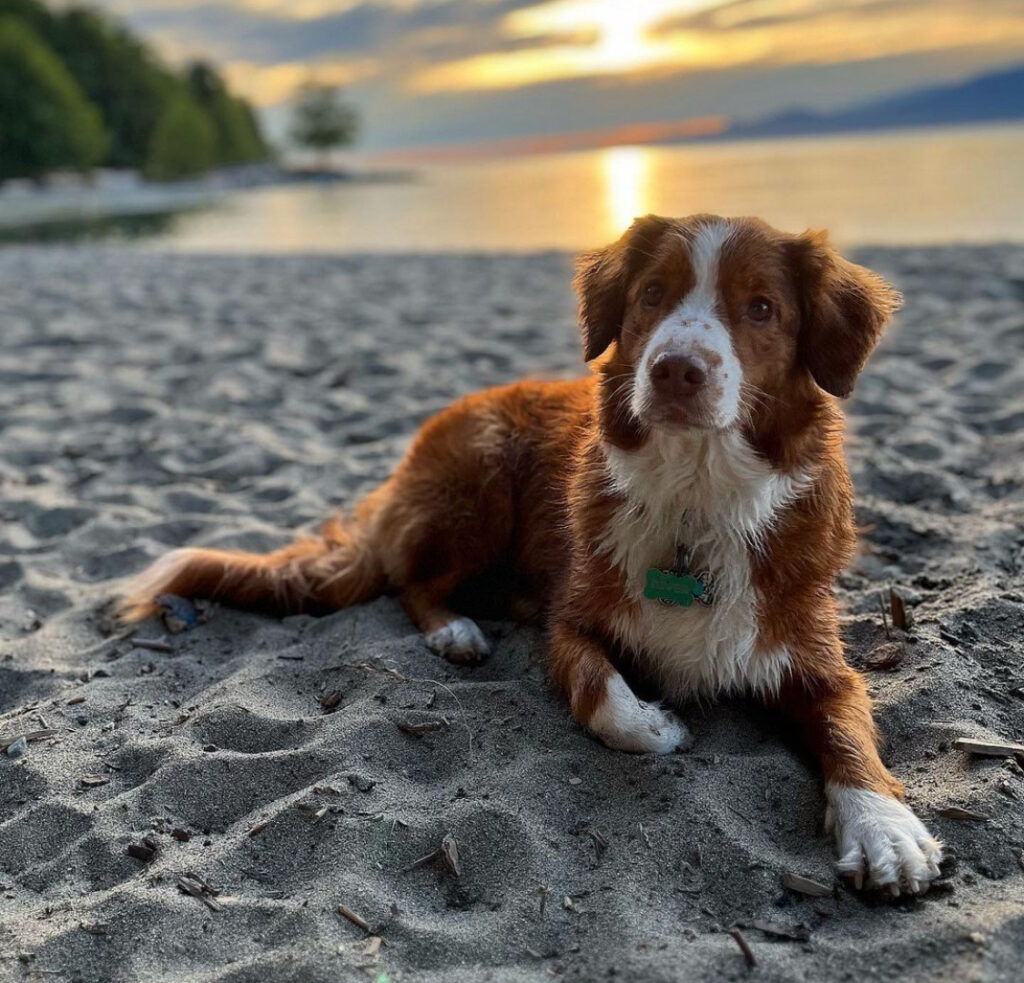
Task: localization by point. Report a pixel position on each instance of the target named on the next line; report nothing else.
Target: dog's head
(707, 320)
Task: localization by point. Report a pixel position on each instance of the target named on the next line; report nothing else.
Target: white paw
(627, 724)
(461, 640)
(881, 842)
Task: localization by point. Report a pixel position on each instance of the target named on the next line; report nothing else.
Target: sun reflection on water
(627, 173)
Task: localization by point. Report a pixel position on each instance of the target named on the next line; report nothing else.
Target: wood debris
(898, 611)
(153, 645)
(792, 933)
(885, 620)
(600, 843)
(31, 735)
(355, 919)
(748, 953)
(955, 812)
(417, 728)
(198, 888)
(330, 702)
(448, 852)
(805, 885)
(93, 781)
(144, 851)
(988, 749)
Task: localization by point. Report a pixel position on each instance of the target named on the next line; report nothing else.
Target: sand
(149, 401)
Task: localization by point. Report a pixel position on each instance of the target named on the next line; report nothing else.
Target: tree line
(79, 90)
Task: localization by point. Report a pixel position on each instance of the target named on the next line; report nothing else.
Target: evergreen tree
(46, 122)
(121, 76)
(184, 142)
(238, 139)
(132, 89)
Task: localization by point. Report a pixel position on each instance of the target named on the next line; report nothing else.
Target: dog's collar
(678, 585)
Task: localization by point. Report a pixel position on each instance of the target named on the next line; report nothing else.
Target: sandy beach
(277, 770)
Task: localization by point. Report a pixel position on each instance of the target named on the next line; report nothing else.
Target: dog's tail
(334, 569)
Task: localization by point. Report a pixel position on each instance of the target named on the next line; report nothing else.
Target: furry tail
(322, 573)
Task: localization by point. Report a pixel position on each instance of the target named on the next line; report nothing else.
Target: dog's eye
(653, 294)
(759, 309)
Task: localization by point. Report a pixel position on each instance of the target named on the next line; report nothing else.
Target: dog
(681, 512)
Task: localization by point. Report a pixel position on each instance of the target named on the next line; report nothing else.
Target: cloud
(268, 31)
(454, 69)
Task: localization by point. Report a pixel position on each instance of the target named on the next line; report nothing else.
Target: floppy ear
(602, 279)
(845, 309)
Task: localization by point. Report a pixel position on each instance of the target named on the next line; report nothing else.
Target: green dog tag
(672, 588)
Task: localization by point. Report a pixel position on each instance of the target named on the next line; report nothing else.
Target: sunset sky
(436, 71)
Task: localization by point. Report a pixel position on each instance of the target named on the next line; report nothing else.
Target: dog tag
(672, 588)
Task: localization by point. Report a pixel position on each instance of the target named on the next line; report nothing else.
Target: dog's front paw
(460, 641)
(881, 842)
(626, 723)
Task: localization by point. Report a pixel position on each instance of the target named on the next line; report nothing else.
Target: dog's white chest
(715, 497)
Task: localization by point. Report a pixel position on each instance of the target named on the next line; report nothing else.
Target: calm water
(913, 187)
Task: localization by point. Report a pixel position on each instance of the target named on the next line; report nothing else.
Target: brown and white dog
(707, 432)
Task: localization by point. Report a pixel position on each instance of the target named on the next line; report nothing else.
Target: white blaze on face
(696, 329)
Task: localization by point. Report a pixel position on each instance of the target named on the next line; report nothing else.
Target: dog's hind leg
(458, 638)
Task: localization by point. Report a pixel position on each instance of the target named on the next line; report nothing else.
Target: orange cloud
(268, 85)
(625, 38)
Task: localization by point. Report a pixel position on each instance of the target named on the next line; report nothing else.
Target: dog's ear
(602, 279)
(844, 310)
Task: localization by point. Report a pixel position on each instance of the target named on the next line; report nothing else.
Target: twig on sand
(146, 850)
(804, 885)
(448, 851)
(417, 728)
(885, 620)
(792, 933)
(198, 888)
(153, 645)
(989, 749)
(748, 953)
(105, 643)
(898, 611)
(355, 919)
(956, 812)
(30, 735)
(600, 843)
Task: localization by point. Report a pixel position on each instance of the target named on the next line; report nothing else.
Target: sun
(582, 37)
(621, 27)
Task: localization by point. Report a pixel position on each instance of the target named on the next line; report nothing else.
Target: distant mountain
(985, 99)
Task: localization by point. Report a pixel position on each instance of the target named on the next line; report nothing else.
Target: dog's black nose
(677, 375)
